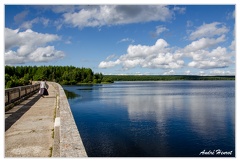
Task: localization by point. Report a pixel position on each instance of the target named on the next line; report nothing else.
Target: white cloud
(101, 15)
(209, 30)
(11, 38)
(21, 16)
(180, 10)
(203, 43)
(204, 53)
(233, 45)
(62, 8)
(131, 63)
(126, 40)
(188, 72)
(156, 56)
(29, 46)
(159, 29)
(11, 57)
(111, 57)
(108, 64)
(217, 58)
(45, 54)
(221, 72)
(231, 15)
(29, 24)
(171, 72)
(44, 21)
(202, 73)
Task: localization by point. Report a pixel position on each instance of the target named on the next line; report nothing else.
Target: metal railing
(14, 94)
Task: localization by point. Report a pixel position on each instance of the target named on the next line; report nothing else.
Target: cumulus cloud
(11, 38)
(29, 46)
(108, 64)
(204, 52)
(155, 56)
(12, 57)
(217, 58)
(45, 54)
(209, 30)
(94, 16)
(204, 43)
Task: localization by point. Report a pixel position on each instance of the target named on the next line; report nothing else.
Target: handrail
(14, 94)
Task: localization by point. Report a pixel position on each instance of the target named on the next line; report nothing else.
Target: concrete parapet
(67, 140)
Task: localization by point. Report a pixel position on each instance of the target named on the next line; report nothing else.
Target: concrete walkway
(29, 127)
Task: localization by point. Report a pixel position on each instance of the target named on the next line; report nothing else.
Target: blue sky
(123, 39)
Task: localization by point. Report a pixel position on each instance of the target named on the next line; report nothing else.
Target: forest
(167, 77)
(65, 75)
(70, 75)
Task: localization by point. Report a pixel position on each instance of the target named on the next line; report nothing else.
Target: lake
(156, 118)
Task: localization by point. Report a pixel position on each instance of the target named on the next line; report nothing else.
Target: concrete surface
(71, 144)
(43, 127)
(29, 127)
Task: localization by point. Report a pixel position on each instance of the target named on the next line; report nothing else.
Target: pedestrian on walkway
(43, 88)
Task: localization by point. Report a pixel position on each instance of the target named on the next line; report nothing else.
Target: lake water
(156, 119)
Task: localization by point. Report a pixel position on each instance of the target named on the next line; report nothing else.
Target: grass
(51, 151)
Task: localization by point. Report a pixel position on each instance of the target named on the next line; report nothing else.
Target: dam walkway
(43, 127)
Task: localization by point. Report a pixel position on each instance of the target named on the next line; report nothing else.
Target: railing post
(25, 91)
(9, 97)
(19, 92)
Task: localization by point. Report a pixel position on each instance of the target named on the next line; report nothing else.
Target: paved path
(29, 126)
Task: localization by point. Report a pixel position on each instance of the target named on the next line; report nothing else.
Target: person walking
(43, 88)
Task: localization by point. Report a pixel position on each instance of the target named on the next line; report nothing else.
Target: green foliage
(67, 75)
(70, 75)
(164, 77)
(108, 79)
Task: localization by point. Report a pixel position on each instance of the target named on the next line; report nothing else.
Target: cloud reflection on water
(205, 110)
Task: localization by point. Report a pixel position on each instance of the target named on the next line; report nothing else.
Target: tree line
(70, 75)
(167, 77)
(65, 75)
